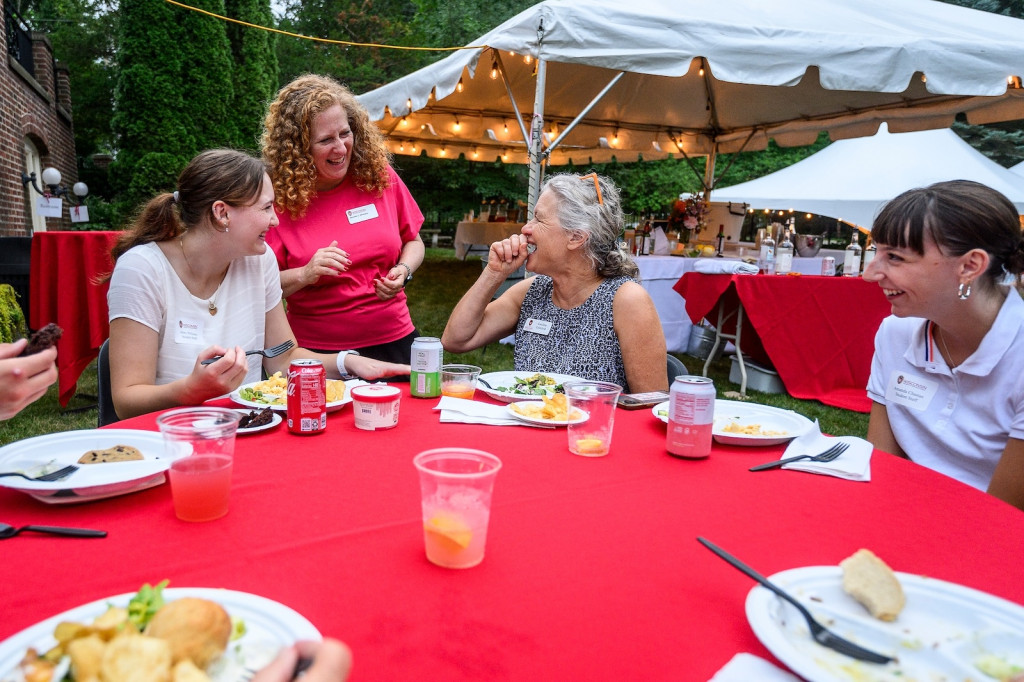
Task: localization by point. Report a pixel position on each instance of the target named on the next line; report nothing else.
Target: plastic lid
(376, 393)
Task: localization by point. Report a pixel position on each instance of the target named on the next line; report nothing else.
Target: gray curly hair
(598, 222)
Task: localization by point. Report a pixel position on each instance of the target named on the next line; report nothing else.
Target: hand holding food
(25, 379)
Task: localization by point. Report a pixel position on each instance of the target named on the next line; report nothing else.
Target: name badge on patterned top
(358, 215)
(536, 326)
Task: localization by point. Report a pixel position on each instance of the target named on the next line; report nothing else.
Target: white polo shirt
(953, 421)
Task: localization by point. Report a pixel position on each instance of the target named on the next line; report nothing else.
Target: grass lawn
(433, 292)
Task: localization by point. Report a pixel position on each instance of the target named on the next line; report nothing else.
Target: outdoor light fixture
(494, 70)
(408, 104)
(458, 126)
(51, 178)
(459, 86)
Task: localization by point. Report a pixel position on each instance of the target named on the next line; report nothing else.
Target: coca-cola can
(307, 397)
(691, 412)
(828, 266)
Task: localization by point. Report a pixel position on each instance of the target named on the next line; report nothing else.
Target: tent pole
(709, 171)
(536, 138)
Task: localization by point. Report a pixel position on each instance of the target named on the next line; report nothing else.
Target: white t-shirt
(145, 288)
(954, 421)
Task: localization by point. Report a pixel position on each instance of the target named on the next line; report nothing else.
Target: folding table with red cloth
(592, 568)
(817, 332)
(64, 289)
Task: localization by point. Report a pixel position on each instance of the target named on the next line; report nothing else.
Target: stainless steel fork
(266, 352)
(827, 456)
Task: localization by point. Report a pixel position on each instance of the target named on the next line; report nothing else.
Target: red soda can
(691, 412)
(307, 397)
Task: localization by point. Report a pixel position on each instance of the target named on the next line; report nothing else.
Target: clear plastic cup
(593, 436)
(456, 486)
(200, 441)
(459, 381)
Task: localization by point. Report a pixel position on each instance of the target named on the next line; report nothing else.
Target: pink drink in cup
(200, 441)
(456, 486)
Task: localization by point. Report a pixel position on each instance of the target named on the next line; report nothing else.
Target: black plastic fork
(266, 352)
(46, 478)
(827, 456)
(819, 632)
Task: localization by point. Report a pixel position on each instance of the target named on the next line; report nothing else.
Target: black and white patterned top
(581, 341)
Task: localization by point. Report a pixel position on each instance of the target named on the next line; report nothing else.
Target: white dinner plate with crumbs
(269, 626)
(945, 632)
(505, 384)
(739, 423)
(52, 451)
(279, 404)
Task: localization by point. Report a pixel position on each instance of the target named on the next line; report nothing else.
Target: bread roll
(197, 629)
(870, 581)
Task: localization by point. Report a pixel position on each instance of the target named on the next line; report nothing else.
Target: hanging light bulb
(527, 58)
(401, 146)
(459, 86)
(408, 104)
(494, 70)
(807, 215)
(476, 152)
(701, 72)
(504, 155)
(458, 126)
(444, 152)
(405, 122)
(414, 147)
(506, 127)
(615, 137)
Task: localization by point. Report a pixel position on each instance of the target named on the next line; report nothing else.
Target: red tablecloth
(592, 569)
(817, 332)
(63, 289)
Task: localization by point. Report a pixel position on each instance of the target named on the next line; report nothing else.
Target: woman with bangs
(947, 378)
(348, 239)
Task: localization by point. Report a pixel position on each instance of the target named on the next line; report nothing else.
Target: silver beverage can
(427, 358)
(828, 266)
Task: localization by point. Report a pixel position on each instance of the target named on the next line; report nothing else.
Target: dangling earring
(224, 222)
(964, 291)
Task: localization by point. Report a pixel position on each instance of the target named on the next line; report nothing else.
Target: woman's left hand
(388, 287)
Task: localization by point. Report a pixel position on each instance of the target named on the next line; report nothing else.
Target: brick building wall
(36, 105)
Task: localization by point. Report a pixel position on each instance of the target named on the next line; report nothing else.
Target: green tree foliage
(380, 22)
(170, 102)
(255, 67)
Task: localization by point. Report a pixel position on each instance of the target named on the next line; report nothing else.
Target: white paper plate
(943, 631)
(579, 416)
(275, 419)
(91, 481)
(500, 380)
(769, 418)
(331, 406)
(269, 627)
(789, 424)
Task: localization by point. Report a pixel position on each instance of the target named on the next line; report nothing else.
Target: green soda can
(426, 361)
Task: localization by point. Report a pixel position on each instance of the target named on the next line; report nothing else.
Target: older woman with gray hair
(583, 312)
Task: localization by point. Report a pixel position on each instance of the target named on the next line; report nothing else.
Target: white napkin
(717, 266)
(853, 465)
(660, 242)
(747, 667)
(460, 410)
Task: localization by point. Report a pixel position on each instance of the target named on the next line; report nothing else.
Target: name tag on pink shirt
(361, 213)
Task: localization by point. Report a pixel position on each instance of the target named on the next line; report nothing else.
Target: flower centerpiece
(688, 216)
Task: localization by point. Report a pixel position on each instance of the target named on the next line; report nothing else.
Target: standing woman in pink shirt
(348, 239)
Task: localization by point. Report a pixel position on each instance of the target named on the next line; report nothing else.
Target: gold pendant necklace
(211, 305)
(949, 356)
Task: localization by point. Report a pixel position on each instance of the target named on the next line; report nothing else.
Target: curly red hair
(286, 142)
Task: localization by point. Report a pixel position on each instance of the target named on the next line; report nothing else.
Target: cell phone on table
(638, 401)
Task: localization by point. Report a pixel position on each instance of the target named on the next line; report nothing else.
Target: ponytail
(158, 221)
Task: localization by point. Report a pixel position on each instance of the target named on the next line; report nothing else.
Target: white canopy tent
(588, 81)
(1018, 169)
(852, 179)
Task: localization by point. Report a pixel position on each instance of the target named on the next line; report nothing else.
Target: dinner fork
(46, 478)
(819, 632)
(827, 456)
(266, 352)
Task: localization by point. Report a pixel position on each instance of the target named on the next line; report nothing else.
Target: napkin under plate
(853, 465)
(710, 266)
(748, 667)
(462, 411)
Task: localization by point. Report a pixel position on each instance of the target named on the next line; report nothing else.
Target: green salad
(538, 384)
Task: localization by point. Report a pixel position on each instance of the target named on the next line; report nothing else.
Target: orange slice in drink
(449, 531)
(590, 446)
